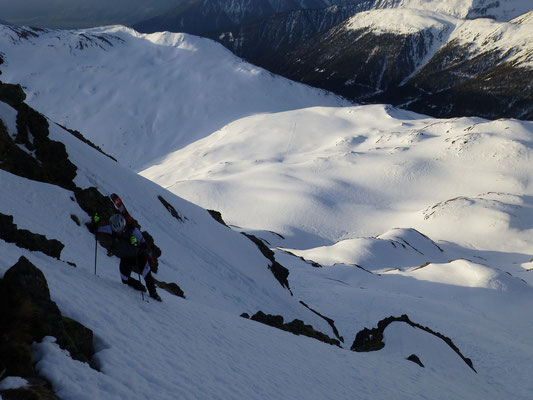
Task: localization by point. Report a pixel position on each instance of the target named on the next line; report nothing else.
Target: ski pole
(138, 273)
(96, 219)
(95, 252)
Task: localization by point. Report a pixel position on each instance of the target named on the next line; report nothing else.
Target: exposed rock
(170, 208)
(372, 339)
(92, 202)
(217, 216)
(12, 94)
(28, 315)
(414, 358)
(55, 165)
(45, 160)
(328, 320)
(171, 287)
(280, 272)
(75, 219)
(296, 327)
(28, 240)
(79, 136)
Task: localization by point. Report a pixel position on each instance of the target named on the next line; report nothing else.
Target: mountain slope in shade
(428, 62)
(200, 17)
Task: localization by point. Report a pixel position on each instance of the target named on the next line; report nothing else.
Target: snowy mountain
(403, 239)
(428, 62)
(175, 82)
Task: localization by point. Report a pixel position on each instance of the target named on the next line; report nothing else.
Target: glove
(133, 240)
(96, 218)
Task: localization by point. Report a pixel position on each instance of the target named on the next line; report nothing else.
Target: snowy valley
(402, 242)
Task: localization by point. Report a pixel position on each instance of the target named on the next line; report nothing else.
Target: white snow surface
(501, 10)
(175, 88)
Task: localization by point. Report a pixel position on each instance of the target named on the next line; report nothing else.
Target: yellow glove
(133, 240)
(96, 218)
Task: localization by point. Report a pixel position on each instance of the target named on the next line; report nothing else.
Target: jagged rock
(372, 339)
(79, 340)
(280, 272)
(170, 208)
(217, 216)
(79, 136)
(48, 161)
(12, 94)
(28, 240)
(28, 315)
(414, 358)
(297, 327)
(15, 160)
(171, 287)
(328, 320)
(92, 201)
(276, 321)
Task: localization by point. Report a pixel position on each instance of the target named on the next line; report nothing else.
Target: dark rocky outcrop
(217, 216)
(92, 202)
(296, 327)
(12, 94)
(280, 272)
(28, 315)
(328, 320)
(32, 154)
(170, 208)
(170, 287)
(414, 358)
(372, 339)
(28, 240)
(79, 136)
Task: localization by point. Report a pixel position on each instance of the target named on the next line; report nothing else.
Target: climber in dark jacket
(129, 245)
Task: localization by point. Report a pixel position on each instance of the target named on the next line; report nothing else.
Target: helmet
(117, 223)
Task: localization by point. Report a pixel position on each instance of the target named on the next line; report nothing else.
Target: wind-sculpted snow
(396, 249)
(338, 173)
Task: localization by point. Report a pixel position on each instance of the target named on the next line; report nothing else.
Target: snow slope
(174, 88)
(199, 347)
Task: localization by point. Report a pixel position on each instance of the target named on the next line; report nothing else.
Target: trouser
(128, 264)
